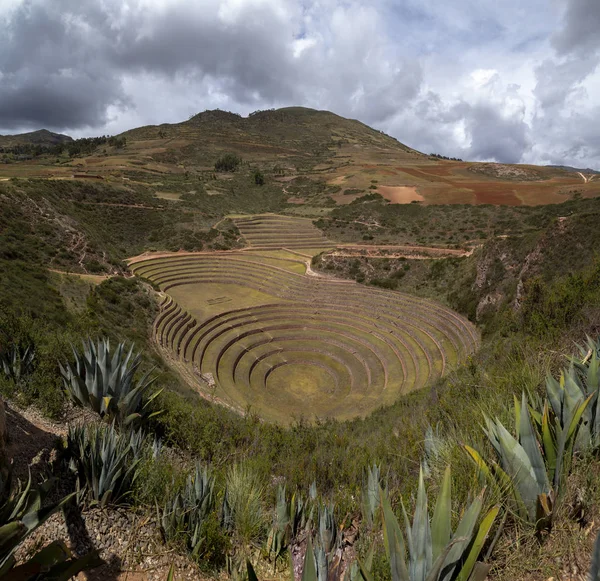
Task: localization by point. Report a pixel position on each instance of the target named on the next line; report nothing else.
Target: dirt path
(587, 180)
(93, 278)
(311, 272)
(427, 251)
(110, 204)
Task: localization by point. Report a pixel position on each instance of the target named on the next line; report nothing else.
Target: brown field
(400, 194)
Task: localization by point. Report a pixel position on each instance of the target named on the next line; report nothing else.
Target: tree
(228, 162)
(259, 178)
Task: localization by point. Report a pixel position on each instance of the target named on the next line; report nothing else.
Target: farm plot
(275, 231)
(289, 345)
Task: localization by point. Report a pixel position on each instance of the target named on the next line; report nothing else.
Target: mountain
(575, 169)
(310, 158)
(40, 137)
(291, 134)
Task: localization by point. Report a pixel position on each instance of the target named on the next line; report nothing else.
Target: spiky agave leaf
(184, 512)
(393, 541)
(435, 553)
(105, 460)
(21, 514)
(105, 382)
(370, 494)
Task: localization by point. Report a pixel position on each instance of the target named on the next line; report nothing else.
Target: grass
(245, 495)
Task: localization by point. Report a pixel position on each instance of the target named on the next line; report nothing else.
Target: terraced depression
(274, 231)
(263, 331)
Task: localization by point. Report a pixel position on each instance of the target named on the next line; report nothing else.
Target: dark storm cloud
(251, 55)
(63, 63)
(51, 70)
(581, 30)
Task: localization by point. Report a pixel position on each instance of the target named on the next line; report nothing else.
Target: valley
(321, 317)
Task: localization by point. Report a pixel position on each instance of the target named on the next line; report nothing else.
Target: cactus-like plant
(531, 468)
(370, 494)
(104, 382)
(184, 513)
(21, 512)
(105, 461)
(435, 553)
(327, 540)
(576, 383)
(17, 361)
(291, 518)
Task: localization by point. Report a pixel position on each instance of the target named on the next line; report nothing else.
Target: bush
(258, 177)
(228, 162)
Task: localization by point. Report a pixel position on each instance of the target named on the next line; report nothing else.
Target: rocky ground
(128, 540)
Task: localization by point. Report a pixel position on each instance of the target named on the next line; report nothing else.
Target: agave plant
(370, 495)
(184, 513)
(435, 553)
(21, 513)
(327, 540)
(17, 361)
(531, 468)
(290, 519)
(576, 383)
(105, 461)
(104, 382)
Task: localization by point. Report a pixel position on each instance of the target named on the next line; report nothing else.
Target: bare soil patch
(400, 194)
(172, 196)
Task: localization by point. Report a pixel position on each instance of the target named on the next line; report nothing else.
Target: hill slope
(312, 161)
(41, 137)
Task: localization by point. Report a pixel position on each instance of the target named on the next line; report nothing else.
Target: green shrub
(228, 162)
(258, 177)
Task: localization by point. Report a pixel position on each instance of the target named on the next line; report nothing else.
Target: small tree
(259, 178)
(228, 162)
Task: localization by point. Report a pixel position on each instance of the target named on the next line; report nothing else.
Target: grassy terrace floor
(289, 344)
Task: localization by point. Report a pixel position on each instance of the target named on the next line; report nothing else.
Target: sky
(513, 81)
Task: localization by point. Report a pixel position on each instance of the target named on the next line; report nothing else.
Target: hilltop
(41, 137)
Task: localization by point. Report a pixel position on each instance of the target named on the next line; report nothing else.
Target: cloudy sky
(504, 80)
